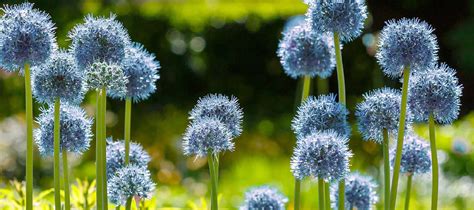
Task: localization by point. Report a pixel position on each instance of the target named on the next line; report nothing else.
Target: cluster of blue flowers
(360, 192)
(116, 156)
(416, 156)
(264, 197)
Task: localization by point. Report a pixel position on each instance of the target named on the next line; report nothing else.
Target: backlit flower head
(416, 155)
(321, 113)
(75, 130)
(116, 156)
(131, 181)
(98, 39)
(141, 69)
(111, 76)
(264, 197)
(406, 43)
(225, 108)
(303, 51)
(297, 20)
(346, 17)
(435, 91)
(60, 78)
(26, 36)
(323, 155)
(360, 192)
(207, 135)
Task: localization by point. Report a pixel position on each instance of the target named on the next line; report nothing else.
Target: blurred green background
(229, 47)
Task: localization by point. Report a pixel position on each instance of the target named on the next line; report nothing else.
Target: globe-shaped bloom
(264, 197)
(219, 106)
(131, 181)
(323, 155)
(75, 130)
(116, 156)
(435, 91)
(110, 76)
(141, 69)
(98, 39)
(416, 155)
(379, 110)
(304, 52)
(297, 20)
(321, 113)
(207, 135)
(26, 36)
(345, 17)
(406, 43)
(59, 78)
(360, 193)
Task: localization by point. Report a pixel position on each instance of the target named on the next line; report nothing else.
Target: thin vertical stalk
(57, 139)
(29, 138)
(128, 118)
(306, 88)
(321, 193)
(327, 195)
(386, 169)
(98, 150)
(434, 167)
(401, 135)
(103, 147)
(297, 194)
(67, 199)
(407, 194)
(322, 85)
(128, 205)
(211, 158)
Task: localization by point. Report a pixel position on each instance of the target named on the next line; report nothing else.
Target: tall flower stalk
(57, 178)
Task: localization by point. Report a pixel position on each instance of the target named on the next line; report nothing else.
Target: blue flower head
(360, 192)
(131, 181)
(321, 113)
(98, 40)
(110, 76)
(206, 135)
(264, 197)
(323, 155)
(305, 52)
(141, 69)
(406, 43)
(26, 36)
(116, 156)
(297, 20)
(346, 17)
(435, 91)
(379, 110)
(75, 130)
(60, 78)
(416, 156)
(219, 106)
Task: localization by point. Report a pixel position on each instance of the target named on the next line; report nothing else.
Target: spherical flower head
(406, 43)
(130, 181)
(297, 20)
(141, 69)
(116, 156)
(435, 91)
(304, 52)
(98, 39)
(321, 113)
(207, 135)
(345, 17)
(416, 156)
(60, 78)
(264, 197)
(379, 110)
(110, 76)
(219, 106)
(323, 155)
(75, 130)
(360, 192)
(26, 36)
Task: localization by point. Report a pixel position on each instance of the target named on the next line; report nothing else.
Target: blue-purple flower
(104, 75)
(131, 181)
(263, 198)
(116, 156)
(207, 136)
(360, 193)
(416, 155)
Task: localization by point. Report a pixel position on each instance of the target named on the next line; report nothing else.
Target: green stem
(57, 139)
(297, 194)
(128, 205)
(29, 138)
(322, 85)
(386, 169)
(327, 195)
(98, 150)
(306, 88)
(128, 118)
(321, 194)
(103, 147)
(211, 158)
(67, 201)
(407, 194)
(434, 168)
(401, 135)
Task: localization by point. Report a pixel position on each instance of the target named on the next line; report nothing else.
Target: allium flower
(321, 155)
(416, 155)
(360, 193)
(225, 108)
(111, 76)
(26, 36)
(131, 181)
(98, 40)
(435, 91)
(297, 20)
(75, 130)
(321, 113)
(58, 78)
(406, 42)
(264, 197)
(141, 69)
(116, 156)
(346, 17)
(305, 52)
(206, 135)
(379, 110)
